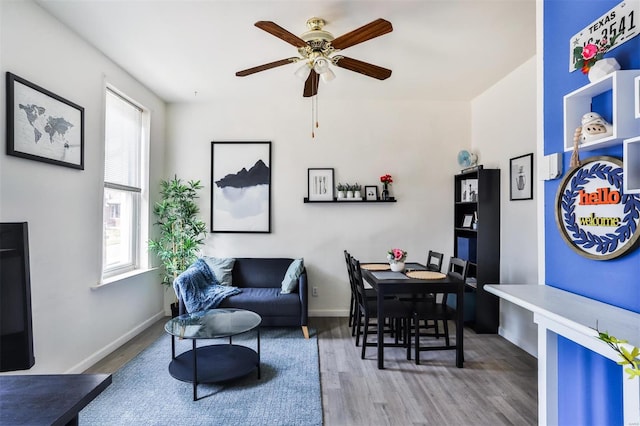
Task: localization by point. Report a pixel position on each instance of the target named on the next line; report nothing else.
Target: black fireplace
(16, 334)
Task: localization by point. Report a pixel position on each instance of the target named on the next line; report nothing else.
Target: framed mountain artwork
(241, 187)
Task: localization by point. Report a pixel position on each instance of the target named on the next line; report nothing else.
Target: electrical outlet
(314, 291)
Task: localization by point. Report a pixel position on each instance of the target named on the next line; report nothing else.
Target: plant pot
(349, 194)
(175, 309)
(357, 194)
(397, 266)
(340, 194)
(603, 67)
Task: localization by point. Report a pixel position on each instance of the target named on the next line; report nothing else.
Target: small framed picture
(43, 126)
(521, 178)
(320, 184)
(371, 192)
(467, 221)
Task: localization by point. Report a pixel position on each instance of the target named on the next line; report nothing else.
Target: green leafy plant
(587, 55)
(631, 358)
(341, 187)
(357, 187)
(181, 231)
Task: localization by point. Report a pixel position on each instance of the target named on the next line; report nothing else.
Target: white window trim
(141, 264)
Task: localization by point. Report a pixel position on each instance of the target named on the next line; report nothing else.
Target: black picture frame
(43, 126)
(241, 187)
(320, 184)
(521, 178)
(371, 192)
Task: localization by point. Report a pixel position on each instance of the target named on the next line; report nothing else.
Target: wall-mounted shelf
(335, 200)
(578, 103)
(631, 165)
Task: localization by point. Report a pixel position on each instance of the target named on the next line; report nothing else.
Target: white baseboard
(521, 343)
(100, 354)
(329, 313)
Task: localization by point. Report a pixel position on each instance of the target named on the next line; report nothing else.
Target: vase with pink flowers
(589, 58)
(396, 258)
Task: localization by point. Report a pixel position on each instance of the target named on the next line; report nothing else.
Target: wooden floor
(497, 386)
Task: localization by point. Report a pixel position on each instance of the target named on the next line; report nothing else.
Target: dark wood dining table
(417, 287)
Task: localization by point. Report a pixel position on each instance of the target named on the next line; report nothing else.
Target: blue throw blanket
(199, 288)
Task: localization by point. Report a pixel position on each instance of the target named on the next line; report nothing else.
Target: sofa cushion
(290, 281)
(260, 272)
(222, 268)
(265, 302)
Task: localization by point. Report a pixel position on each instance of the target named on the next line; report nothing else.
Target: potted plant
(341, 188)
(357, 188)
(181, 231)
(349, 191)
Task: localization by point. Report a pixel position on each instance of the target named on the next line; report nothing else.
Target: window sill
(122, 277)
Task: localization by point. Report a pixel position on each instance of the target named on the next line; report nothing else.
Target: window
(124, 169)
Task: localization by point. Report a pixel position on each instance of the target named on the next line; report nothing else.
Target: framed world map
(43, 126)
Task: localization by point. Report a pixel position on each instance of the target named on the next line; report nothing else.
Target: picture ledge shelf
(335, 200)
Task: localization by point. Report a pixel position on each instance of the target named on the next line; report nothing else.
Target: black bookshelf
(479, 244)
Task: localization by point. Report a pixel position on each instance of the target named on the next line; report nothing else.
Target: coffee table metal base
(214, 363)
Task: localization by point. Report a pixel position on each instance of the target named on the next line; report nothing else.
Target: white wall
(74, 326)
(503, 123)
(415, 142)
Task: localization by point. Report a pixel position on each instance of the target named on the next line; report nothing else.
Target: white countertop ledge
(576, 318)
(578, 313)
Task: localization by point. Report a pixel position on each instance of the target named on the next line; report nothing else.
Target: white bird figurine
(595, 127)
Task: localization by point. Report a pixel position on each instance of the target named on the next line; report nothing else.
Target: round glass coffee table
(213, 363)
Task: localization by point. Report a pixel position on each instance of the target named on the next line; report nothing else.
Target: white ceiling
(438, 50)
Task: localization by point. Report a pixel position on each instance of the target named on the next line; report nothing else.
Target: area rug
(288, 392)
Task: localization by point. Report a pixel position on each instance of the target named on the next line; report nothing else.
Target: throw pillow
(221, 268)
(290, 281)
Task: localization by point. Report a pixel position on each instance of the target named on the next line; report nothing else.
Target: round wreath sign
(595, 217)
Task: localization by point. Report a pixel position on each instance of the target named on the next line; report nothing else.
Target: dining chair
(398, 312)
(434, 261)
(437, 309)
(352, 302)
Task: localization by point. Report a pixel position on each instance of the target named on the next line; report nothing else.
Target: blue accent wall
(589, 385)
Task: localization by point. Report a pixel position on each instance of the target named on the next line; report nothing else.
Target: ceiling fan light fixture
(303, 72)
(321, 65)
(327, 76)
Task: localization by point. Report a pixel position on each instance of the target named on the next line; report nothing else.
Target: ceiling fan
(318, 49)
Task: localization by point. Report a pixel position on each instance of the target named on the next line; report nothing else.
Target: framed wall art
(43, 126)
(467, 221)
(594, 215)
(241, 187)
(521, 178)
(320, 184)
(371, 193)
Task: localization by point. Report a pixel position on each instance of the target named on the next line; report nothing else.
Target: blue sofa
(260, 280)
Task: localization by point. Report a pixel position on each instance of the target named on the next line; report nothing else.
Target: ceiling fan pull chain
(313, 135)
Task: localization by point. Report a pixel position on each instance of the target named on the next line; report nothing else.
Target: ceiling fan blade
(364, 68)
(311, 85)
(366, 32)
(276, 30)
(265, 67)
